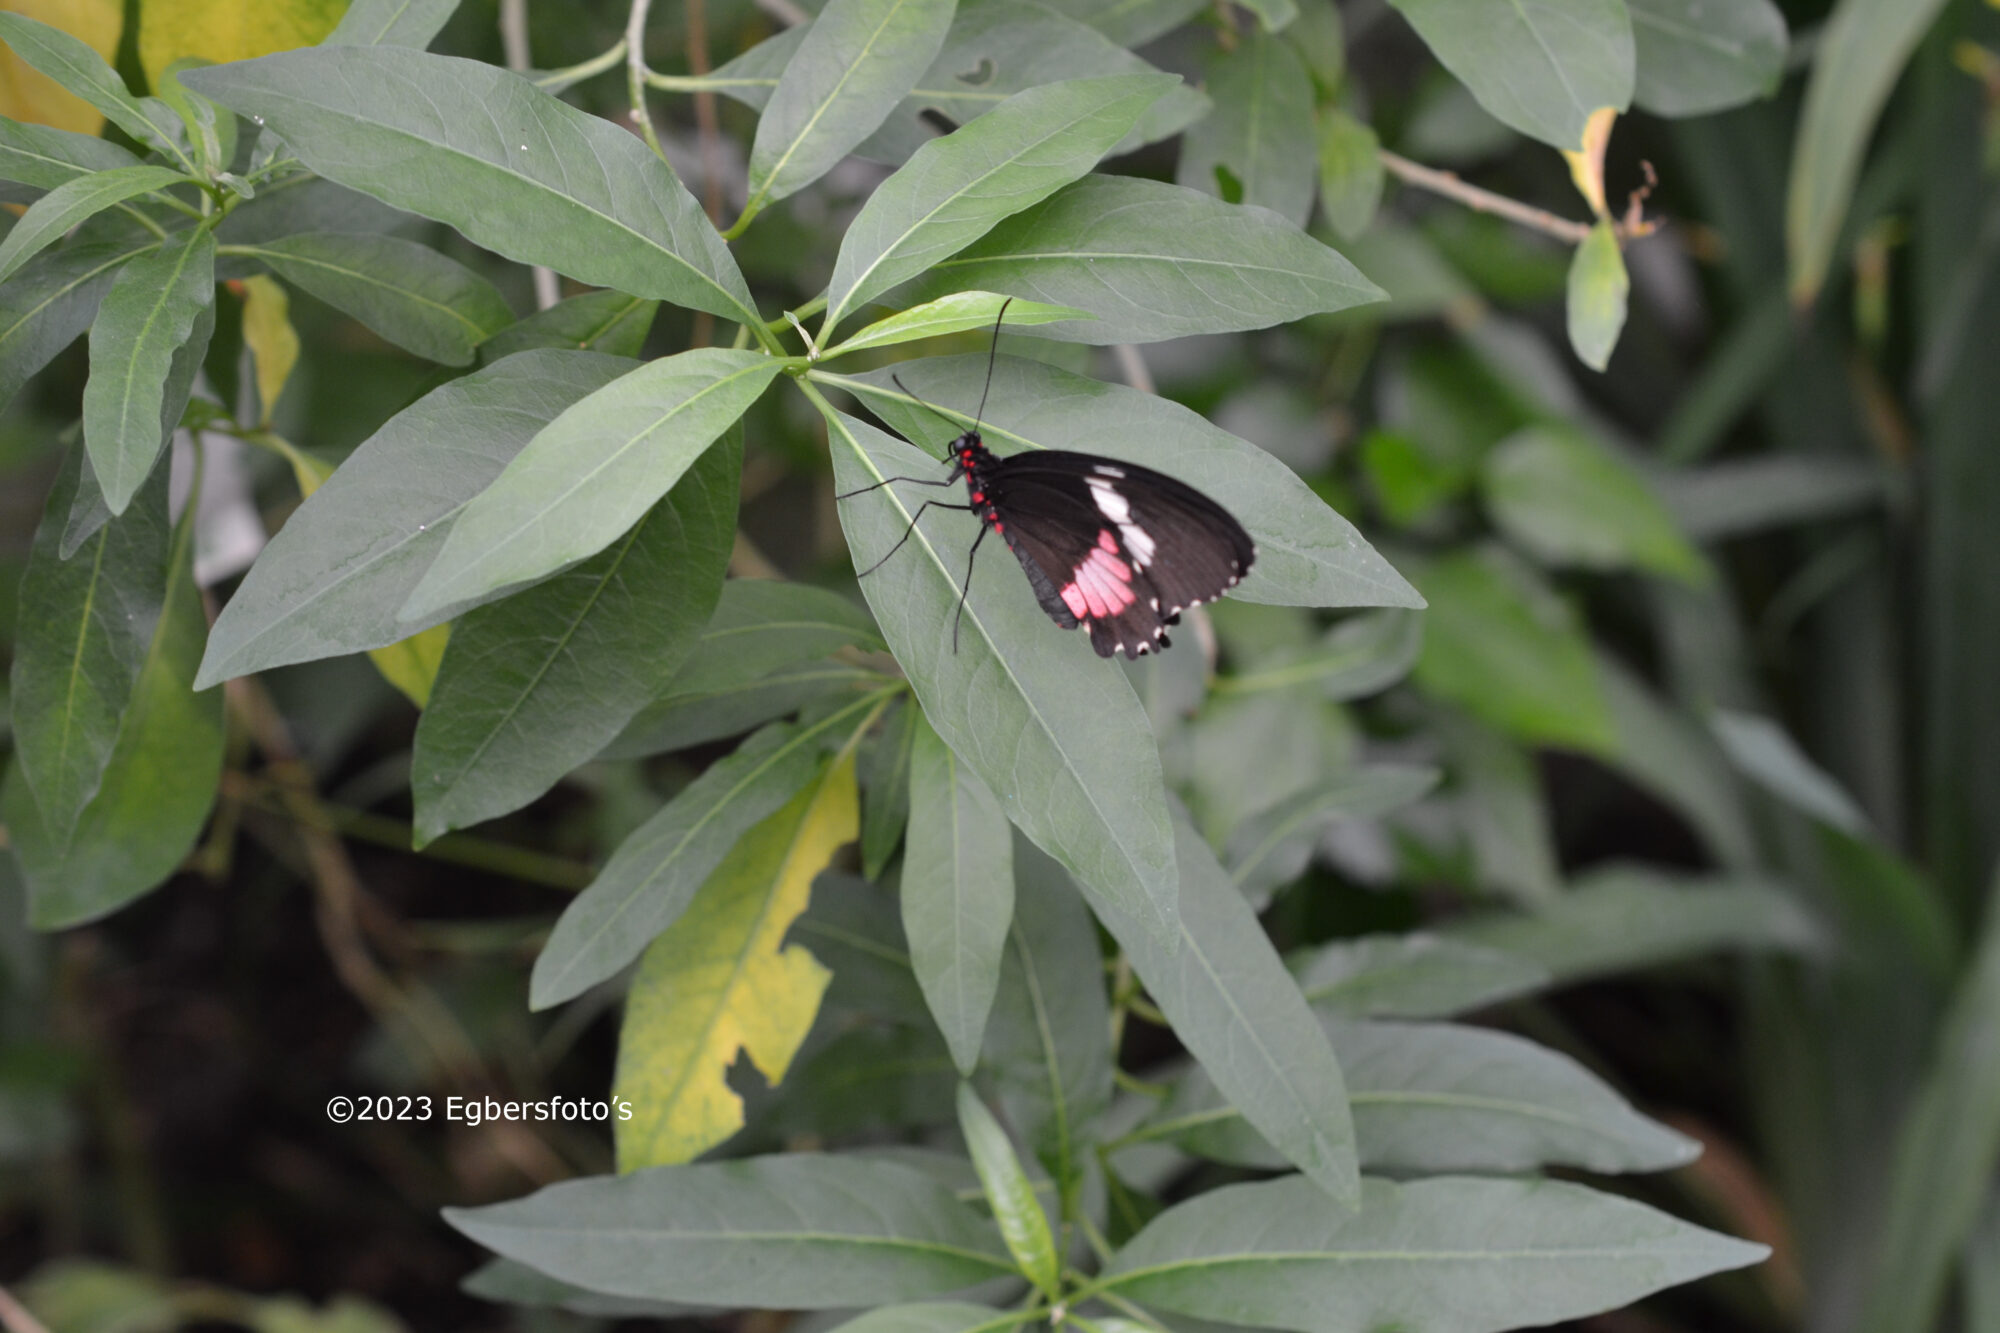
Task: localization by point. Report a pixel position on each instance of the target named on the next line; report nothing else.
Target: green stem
(635, 74)
(701, 83)
(556, 80)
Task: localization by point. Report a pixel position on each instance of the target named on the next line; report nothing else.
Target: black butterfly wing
(1116, 547)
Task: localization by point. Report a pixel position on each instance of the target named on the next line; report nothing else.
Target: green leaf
(1765, 752)
(1363, 654)
(158, 781)
(1321, 39)
(1947, 1148)
(1153, 261)
(536, 684)
(154, 307)
(1860, 54)
(391, 23)
(77, 67)
(1501, 645)
(1130, 23)
(1237, 1010)
(559, 187)
(936, 1317)
(331, 580)
(1597, 289)
(761, 625)
(772, 1232)
(1273, 15)
(720, 983)
(677, 721)
(1474, 1256)
(1272, 849)
(649, 881)
(52, 300)
(601, 321)
(1260, 132)
(958, 891)
(1504, 810)
(1023, 1224)
(85, 628)
(953, 314)
(52, 216)
(1307, 555)
(1350, 171)
(590, 474)
(409, 293)
(1057, 735)
(1621, 918)
(885, 786)
(1430, 1098)
(1747, 495)
(1541, 67)
(857, 61)
(46, 157)
(954, 189)
(1566, 499)
(1695, 57)
(1410, 976)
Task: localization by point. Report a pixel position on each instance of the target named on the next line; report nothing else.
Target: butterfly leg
(914, 481)
(967, 589)
(928, 504)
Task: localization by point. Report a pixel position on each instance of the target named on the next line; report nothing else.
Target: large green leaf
(1433, 1097)
(538, 683)
(331, 580)
(1256, 146)
(46, 157)
(72, 63)
(1057, 735)
(1698, 56)
(1154, 261)
(1273, 847)
(1541, 66)
(1307, 554)
(677, 721)
(84, 629)
(1566, 499)
(779, 1232)
(953, 314)
(1410, 976)
(957, 891)
(856, 62)
(1469, 1255)
(953, 190)
(391, 23)
(885, 787)
(761, 625)
(590, 474)
(155, 305)
(601, 321)
(69, 204)
(651, 878)
(409, 293)
(53, 299)
(486, 151)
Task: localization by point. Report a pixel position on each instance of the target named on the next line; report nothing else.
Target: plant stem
(1448, 184)
(556, 80)
(635, 73)
(514, 41)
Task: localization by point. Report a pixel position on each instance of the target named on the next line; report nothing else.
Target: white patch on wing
(1105, 470)
(1138, 542)
(1109, 502)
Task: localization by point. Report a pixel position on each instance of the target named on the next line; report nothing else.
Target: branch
(1448, 184)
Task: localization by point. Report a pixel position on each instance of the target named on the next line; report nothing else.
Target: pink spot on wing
(1107, 541)
(1073, 599)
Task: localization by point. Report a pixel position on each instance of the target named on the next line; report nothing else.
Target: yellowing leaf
(718, 981)
(1586, 166)
(28, 94)
(273, 342)
(225, 30)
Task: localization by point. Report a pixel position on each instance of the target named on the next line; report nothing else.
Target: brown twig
(1451, 186)
(15, 1317)
(514, 42)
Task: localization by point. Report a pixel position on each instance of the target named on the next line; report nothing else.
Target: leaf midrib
(275, 256)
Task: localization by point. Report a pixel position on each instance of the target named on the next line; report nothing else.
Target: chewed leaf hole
(981, 75)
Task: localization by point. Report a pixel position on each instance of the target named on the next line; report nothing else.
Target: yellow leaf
(225, 30)
(28, 94)
(273, 343)
(1586, 167)
(717, 981)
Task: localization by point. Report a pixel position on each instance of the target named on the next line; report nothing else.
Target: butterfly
(1117, 549)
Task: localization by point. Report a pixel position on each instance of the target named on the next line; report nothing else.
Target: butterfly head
(968, 455)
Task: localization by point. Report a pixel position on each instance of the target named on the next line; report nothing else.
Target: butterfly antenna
(934, 411)
(992, 355)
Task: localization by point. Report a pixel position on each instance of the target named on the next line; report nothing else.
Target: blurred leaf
(1621, 918)
(1567, 500)
(63, 208)
(332, 578)
(601, 321)
(1696, 56)
(858, 59)
(1410, 481)
(1981, 1270)
(1130, 22)
(563, 188)
(1261, 130)
(1504, 809)
(1542, 69)
(538, 683)
(409, 293)
(677, 721)
(788, 1225)
(1598, 286)
(1023, 1224)
(934, 1317)
(1856, 61)
(273, 344)
(156, 303)
(1307, 554)
(954, 189)
(220, 31)
(885, 784)
(721, 981)
(1242, 756)
(1410, 976)
(1321, 40)
(1057, 735)
(1744, 496)
(1947, 1148)
(1433, 1097)
(953, 314)
(45, 157)
(1765, 752)
(1350, 171)
(589, 474)
(958, 891)
(391, 22)
(342, 1314)
(1153, 261)
(649, 881)
(1272, 849)
(1504, 647)
(60, 76)
(91, 1296)
(1669, 753)
(1418, 1255)
(760, 625)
